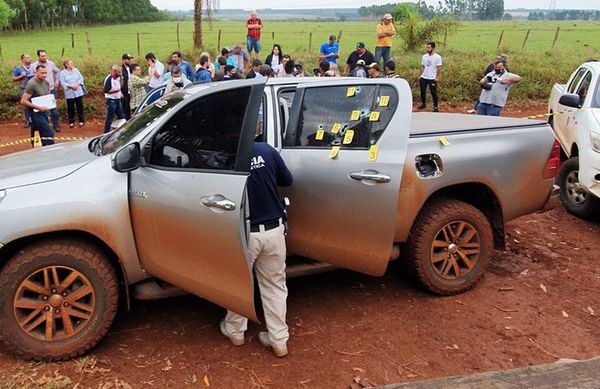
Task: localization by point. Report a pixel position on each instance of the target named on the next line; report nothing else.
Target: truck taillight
(553, 162)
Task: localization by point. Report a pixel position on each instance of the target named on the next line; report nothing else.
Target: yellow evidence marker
(355, 115)
(336, 128)
(384, 101)
(444, 141)
(333, 153)
(319, 135)
(351, 91)
(373, 150)
(374, 116)
(348, 137)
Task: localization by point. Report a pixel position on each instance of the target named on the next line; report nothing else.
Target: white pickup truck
(575, 109)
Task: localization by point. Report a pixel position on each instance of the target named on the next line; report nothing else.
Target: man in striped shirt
(112, 96)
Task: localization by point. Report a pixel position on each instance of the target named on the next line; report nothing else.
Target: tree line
(460, 9)
(565, 14)
(27, 14)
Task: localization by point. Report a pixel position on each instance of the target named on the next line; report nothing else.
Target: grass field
(465, 53)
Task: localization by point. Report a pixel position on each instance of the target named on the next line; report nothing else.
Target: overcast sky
(189, 4)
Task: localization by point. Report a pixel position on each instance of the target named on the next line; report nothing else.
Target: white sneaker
(280, 352)
(234, 340)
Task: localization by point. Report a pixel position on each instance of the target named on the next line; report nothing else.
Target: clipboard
(47, 101)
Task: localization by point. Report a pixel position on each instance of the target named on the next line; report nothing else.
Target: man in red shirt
(254, 25)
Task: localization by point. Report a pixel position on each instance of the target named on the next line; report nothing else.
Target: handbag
(84, 89)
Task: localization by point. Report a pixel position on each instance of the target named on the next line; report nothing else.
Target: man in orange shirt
(383, 44)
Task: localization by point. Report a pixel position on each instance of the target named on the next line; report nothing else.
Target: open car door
(345, 144)
(188, 200)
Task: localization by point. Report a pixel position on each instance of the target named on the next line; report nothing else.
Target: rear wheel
(574, 197)
(58, 298)
(450, 245)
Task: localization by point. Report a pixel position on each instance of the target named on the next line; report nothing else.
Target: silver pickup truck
(159, 205)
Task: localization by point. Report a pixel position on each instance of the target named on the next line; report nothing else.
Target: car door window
(573, 85)
(285, 98)
(346, 116)
(584, 87)
(204, 134)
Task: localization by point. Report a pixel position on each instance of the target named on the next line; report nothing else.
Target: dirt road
(539, 302)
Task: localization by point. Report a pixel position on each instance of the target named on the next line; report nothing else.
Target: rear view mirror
(127, 159)
(570, 100)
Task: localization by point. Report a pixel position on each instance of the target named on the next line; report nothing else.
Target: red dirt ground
(538, 302)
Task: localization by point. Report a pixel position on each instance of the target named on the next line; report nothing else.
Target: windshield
(150, 114)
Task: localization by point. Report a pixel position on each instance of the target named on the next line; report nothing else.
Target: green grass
(465, 54)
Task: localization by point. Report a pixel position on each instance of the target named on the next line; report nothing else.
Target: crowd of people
(125, 87)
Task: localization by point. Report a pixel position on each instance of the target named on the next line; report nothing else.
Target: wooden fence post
(219, 42)
(89, 44)
(178, 44)
(339, 37)
(525, 40)
(555, 37)
(72, 40)
(310, 41)
(1, 57)
(62, 53)
(500, 40)
(139, 54)
(445, 38)
(273, 36)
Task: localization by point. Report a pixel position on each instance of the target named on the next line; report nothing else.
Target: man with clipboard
(38, 99)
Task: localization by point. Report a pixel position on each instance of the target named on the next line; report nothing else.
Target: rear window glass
(576, 79)
(346, 116)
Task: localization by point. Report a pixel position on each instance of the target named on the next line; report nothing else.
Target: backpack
(359, 71)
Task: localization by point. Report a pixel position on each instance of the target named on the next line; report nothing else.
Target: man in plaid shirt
(137, 87)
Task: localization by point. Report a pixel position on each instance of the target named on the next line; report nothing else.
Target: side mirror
(117, 124)
(127, 159)
(570, 100)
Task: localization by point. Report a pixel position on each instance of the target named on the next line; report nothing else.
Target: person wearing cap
(383, 44)
(360, 70)
(229, 73)
(126, 73)
(240, 58)
(390, 70)
(254, 26)
(361, 53)
(255, 69)
(374, 70)
(330, 51)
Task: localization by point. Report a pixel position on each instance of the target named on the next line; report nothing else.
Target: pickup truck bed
(431, 123)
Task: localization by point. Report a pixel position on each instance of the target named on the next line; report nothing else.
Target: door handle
(218, 201)
(371, 175)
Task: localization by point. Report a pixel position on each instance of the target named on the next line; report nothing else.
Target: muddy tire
(450, 245)
(576, 200)
(58, 299)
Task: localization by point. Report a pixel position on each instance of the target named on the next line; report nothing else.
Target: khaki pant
(267, 252)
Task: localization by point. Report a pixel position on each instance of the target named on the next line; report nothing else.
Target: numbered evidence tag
(355, 115)
(373, 151)
(444, 141)
(320, 134)
(348, 137)
(333, 153)
(384, 101)
(351, 91)
(336, 128)
(374, 116)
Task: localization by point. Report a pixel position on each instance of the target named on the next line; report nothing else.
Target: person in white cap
(383, 44)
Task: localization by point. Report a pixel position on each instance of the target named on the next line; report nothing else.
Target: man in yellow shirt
(383, 45)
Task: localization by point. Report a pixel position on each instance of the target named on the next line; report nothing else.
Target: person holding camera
(177, 81)
(494, 90)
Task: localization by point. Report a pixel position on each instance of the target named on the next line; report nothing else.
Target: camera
(316, 72)
(490, 79)
(178, 84)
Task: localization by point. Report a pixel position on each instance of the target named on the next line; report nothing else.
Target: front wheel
(450, 245)
(574, 197)
(58, 298)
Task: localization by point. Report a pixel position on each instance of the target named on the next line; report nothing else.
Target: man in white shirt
(431, 68)
(155, 71)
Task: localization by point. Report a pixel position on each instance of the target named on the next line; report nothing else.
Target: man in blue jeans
(112, 95)
(52, 76)
(494, 90)
(21, 75)
(254, 26)
(37, 87)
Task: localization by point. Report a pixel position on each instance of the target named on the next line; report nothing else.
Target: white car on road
(576, 121)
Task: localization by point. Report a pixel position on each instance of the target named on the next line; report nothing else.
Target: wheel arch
(11, 248)
(481, 197)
